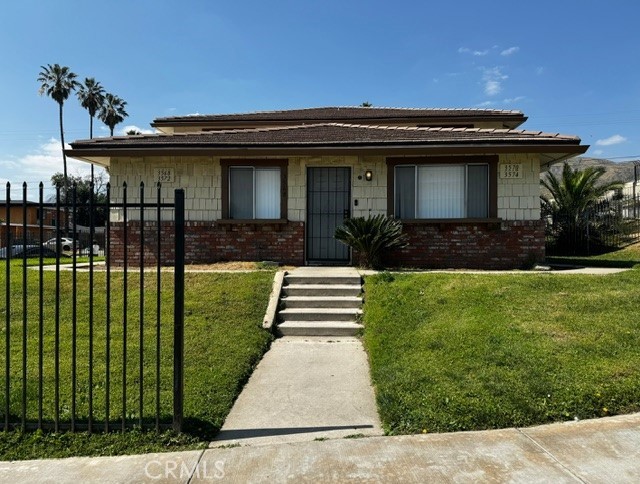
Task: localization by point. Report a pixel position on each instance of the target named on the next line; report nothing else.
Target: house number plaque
(164, 175)
(511, 170)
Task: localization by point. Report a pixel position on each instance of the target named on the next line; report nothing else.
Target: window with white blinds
(441, 191)
(254, 192)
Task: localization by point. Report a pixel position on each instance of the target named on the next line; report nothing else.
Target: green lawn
(223, 342)
(627, 257)
(455, 352)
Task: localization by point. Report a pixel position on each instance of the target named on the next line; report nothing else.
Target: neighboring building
(16, 219)
(274, 185)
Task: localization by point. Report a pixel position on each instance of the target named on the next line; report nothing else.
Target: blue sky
(571, 66)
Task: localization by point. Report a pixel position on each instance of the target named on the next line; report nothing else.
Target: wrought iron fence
(83, 349)
(611, 223)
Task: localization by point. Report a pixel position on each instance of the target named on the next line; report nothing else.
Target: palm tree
(57, 82)
(91, 97)
(112, 111)
(572, 194)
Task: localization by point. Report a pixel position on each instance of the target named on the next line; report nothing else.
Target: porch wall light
(368, 175)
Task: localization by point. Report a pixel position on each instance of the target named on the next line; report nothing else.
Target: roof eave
(555, 151)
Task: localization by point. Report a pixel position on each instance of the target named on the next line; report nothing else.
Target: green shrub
(371, 237)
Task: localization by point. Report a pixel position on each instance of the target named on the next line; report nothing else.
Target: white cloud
(129, 127)
(512, 100)
(539, 71)
(510, 51)
(611, 140)
(492, 87)
(466, 50)
(41, 164)
(484, 104)
(492, 78)
(598, 152)
(8, 164)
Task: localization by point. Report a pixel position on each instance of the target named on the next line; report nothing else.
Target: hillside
(616, 171)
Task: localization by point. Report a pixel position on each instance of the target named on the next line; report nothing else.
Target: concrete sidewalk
(305, 388)
(595, 451)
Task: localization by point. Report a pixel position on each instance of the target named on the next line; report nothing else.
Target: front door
(328, 204)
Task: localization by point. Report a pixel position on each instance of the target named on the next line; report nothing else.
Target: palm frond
(112, 111)
(372, 237)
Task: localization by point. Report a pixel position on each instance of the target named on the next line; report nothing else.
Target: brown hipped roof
(331, 138)
(328, 134)
(349, 114)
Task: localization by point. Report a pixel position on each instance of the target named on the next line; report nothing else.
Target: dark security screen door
(328, 204)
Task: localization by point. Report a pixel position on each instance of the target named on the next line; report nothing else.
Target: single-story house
(274, 185)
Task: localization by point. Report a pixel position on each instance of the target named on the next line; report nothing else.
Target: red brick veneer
(469, 245)
(213, 242)
(460, 245)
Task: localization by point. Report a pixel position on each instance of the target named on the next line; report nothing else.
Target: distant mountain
(621, 171)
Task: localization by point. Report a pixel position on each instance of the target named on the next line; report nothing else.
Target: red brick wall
(212, 242)
(502, 245)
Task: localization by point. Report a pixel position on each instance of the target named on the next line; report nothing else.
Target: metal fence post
(7, 333)
(178, 314)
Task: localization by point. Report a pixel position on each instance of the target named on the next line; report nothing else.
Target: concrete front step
(319, 328)
(320, 314)
(321, 302)
(323, 279)
(322, 290)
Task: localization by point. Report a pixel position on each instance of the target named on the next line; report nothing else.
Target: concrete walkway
(592, 451)
(305, 388)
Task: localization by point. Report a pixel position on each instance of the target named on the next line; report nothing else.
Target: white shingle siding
(519, 198)
(201, 177)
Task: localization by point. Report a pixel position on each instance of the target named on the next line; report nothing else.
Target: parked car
(18, 251)
(66, 244)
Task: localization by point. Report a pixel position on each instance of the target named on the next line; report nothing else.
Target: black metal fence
(611, 223)
(83, 348)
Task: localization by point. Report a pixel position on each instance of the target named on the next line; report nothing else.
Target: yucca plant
(371, 237)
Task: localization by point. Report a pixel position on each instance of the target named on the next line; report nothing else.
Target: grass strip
(223, 342)
(456, 352)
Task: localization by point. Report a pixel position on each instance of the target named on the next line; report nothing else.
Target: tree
(91, 96)
(82, 186)
(112, 111)
(58, 82)
(571, 196)
(366, 104)
(133, 132)
(371, 237)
